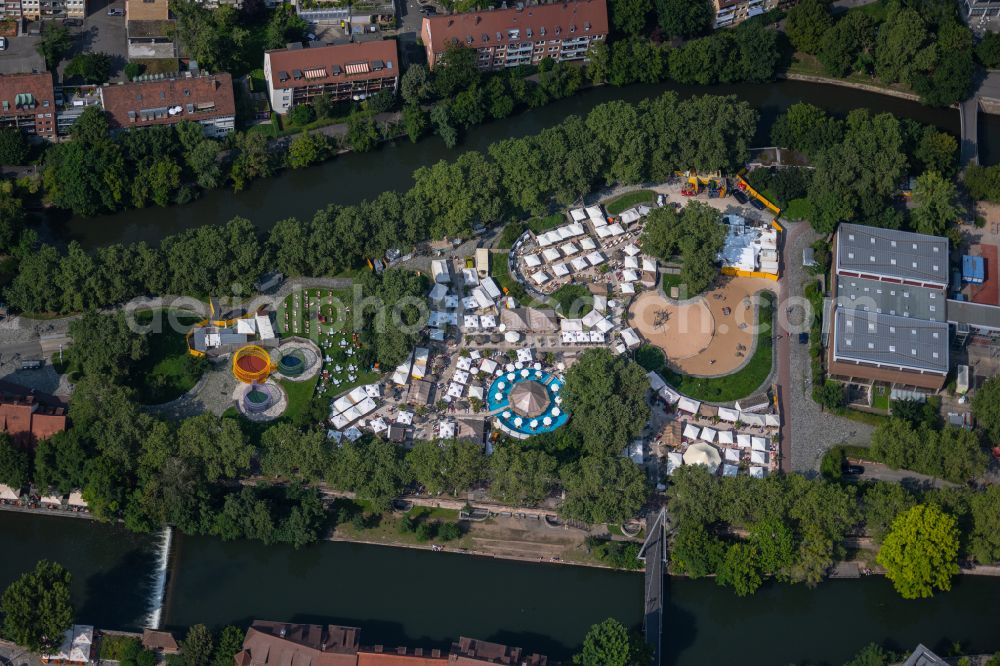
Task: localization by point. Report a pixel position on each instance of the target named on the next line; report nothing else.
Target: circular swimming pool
(526, 402)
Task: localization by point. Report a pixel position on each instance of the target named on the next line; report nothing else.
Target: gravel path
(811, 431)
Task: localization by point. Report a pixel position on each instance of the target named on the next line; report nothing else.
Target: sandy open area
(708, 336)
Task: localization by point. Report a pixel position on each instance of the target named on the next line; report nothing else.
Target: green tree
(55, 42)
(362, 134)
(92, 67)
(694, 552)
(60, 462)
(36, 607)
(607, 396)
(451, 467)
(610, 644)
(203, 160)
(806, 23)
(984, 540)
(14, 149)
(601, 490)
(882, 502)
(197, 646)
(217, 444)
(306, 149)
(936, 204)
(988, 50)
(253, 159)
(871, 655)
(415, 122)
(371, 467)
(740, 569)
(920, 553)
(284, 27)
(775, 545)
(684, 19)
(230, 642)
(696, 235)
(986, 407)
(937, 151)
(520, 476)
(849, 45)
(15, 466)
(104, 346)
(415, 85)
(455, 71)
(302, 114)
(629, 16)
(287, 452)
(806, 128)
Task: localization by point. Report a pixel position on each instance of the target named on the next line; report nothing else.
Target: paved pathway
(808, 431)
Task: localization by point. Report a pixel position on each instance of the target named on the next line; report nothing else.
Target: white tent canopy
(691, 431)
(708, 434)
(732, 455)
(703, 454)
(758, 457)
(725, 437)
(686, 404)
(728, 415)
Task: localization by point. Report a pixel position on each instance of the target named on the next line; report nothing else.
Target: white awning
(532, 260)
(691, 431)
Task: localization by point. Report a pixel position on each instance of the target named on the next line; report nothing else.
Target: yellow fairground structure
(729, 270)
(745, 186)
(252, 364)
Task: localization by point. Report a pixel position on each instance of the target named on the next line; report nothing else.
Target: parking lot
(99, 33)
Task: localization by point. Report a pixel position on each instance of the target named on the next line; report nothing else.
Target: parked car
(740, 197)
(73, 23)
(854, 470)
(427, 10)
(116, 12)
(3, 43)
(661, 200)
(311, 37)
(757, 204)
(803, 338)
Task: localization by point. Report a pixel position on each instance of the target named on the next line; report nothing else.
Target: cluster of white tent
(562, 233)
(414, 366)
(479, 306)
(592, 328)
(352, 406)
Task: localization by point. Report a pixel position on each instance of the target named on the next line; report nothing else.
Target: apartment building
(563, 31)
(27, 101)
(206, 99)
(344, 72)
(733, 12)
(36, 10)
(982, 9)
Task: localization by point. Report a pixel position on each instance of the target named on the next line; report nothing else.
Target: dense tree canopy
(36, 607)
(610, 644)
(806, 23)
(607, 396)
(920, 553)
(696, 235)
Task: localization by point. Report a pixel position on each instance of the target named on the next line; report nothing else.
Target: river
(350, 178)
(416, 597)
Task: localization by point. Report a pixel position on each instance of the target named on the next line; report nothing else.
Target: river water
(416, 597)
(350, 178)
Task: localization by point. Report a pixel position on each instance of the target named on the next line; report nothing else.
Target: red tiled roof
(388, 659)
(199, 98)
(26, 421)
(561, 20)
(39, 86)
(333, 64)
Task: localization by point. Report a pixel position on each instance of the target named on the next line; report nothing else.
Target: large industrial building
(521, 35)
(891, 320)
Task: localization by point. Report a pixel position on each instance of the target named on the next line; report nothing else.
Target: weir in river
(154, 615)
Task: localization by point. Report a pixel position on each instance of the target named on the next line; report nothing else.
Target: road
(879, 472)
(808, 432)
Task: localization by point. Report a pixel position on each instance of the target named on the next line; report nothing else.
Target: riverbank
(866, 87)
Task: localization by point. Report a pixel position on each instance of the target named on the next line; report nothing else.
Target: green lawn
(737, 385)
(797, 209)
(500, 274)
(667, 281)
(804, 63)
(626, 201)
(168, 371)
(332, 305)
(299, 394)
(542, 224)
(880, 397)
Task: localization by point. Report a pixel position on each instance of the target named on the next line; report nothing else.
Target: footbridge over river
(654, 554)
(969, 113)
